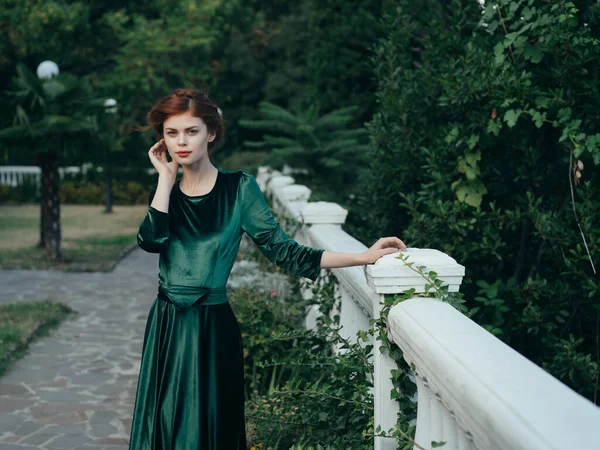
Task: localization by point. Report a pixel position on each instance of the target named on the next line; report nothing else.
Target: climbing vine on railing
(403, 377)
(404, 391)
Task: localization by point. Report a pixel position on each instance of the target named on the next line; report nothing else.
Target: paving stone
(99, 431)
(38, 438)
(20, 373)
(10, 422)
(65, 418)
(46, 384)
(68, 441)
(14, 389)
(63, 396)
(110, 390)
(66, 429)
(127, 424)
(29, 427)
(8, 404)
(112, 441)
(46, 409)
(103, 417)
(92, 379)
(17, 447)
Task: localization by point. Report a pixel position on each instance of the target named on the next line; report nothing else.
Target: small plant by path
(20, 323)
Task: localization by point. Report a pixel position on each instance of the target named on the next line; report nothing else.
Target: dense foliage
(486, 146)
(298, 391)
(484, 143)
(330, 152)
(241, 52)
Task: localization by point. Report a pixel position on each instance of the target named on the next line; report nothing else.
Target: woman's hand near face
(158, 157)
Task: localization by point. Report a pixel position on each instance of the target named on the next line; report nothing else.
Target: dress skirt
(190, 391)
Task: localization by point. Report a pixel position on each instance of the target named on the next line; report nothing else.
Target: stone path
(75, 388)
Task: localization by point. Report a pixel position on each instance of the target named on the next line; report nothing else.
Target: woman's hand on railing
(383, 246)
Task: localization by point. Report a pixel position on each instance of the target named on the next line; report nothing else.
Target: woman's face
(184, 132)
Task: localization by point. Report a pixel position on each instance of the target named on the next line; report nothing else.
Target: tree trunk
(40, 244)
(38, 162)
(108, 181)
(50, 203)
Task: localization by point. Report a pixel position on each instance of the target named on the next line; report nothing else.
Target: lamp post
(110, 107)
(49, 182)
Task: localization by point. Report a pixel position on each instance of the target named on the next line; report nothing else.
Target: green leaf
(511, 116)
(533, 53)
(473, 140)
(538, 118)
(564, 114)
(451, 137)
(470, 193)
(507, 102)
(494, 127)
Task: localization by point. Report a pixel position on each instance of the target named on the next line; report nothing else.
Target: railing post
(390, 275)
(292, 199)
(320, 213)
(276, 184)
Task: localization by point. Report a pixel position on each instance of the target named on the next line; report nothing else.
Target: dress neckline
(214, 188)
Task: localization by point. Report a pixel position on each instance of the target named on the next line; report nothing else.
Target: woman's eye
(174, 133)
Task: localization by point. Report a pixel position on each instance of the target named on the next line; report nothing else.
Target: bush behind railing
(79, 193)
(482, 149)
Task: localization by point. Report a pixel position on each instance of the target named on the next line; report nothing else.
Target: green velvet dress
(190, 391)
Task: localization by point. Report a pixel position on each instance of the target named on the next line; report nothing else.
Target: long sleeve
(153, 235)
(258, 222)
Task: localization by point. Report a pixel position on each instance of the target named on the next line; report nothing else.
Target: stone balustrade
(474, 392)
(17, 175)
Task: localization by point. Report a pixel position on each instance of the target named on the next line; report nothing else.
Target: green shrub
(245, 160)
(82, 192)
(297, 390)
(25, 192)
(474, 151)
(327, 146)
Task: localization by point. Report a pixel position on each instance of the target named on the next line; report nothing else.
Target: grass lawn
(21, 322)
(91, 239)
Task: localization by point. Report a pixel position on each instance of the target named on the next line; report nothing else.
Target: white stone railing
(16, 175)
(474, 392)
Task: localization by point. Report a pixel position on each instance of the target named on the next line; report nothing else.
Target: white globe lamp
(110, 105)
(47, 69)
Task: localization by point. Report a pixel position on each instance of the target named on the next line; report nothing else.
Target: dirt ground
(20, 224)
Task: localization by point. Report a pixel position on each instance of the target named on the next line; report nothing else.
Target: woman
(190, 392)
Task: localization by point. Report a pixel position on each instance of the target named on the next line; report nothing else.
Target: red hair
(181, 101)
